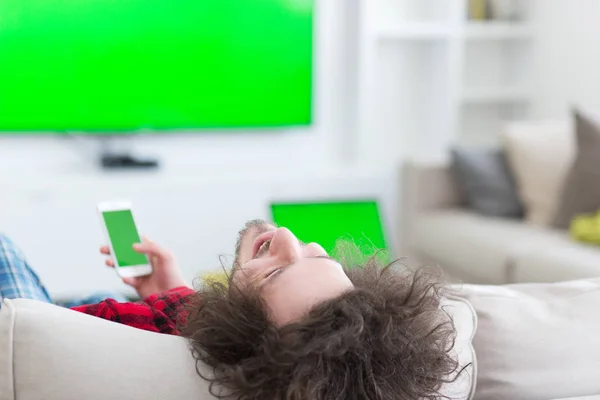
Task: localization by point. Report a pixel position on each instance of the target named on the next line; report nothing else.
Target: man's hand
(165, 272)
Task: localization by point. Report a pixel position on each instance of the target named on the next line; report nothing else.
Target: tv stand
(115, 155)
(126, 161)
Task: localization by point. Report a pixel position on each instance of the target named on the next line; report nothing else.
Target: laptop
(329, 222)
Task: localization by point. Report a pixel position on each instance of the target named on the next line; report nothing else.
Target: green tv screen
(110, 66)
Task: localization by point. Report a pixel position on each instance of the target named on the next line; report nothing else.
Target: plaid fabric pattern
(159, 313)
(17, 278)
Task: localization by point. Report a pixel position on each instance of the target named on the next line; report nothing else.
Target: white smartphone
(121, 233)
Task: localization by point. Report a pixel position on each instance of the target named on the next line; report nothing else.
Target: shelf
(414, 31)
(497, 31)
(473, 31)
(495, 95)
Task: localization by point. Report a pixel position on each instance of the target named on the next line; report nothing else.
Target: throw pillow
(536, 341)
(581, 192)
(486, 181)
(216, 277)
(586, 228)
(539, 155)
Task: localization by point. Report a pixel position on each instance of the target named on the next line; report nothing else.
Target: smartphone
(122, 232)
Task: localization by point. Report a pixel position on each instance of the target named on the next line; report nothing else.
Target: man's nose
(285, 246)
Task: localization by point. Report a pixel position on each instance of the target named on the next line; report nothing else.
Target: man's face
(291, 277)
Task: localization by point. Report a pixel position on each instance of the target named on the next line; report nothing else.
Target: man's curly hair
(388, 338)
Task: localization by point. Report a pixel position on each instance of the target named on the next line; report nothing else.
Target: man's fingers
(110, 263)
(133, 282)
(146, 239)
(148, 247)
(104, 250)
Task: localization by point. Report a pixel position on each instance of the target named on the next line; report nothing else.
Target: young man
(292, 323)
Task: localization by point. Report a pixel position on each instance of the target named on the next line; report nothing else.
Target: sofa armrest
(424, 187)
(53, 353)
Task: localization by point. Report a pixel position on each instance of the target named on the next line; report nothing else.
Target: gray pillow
(581, 193)
(486, 181)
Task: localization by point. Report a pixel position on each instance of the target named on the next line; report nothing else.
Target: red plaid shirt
(157, 313)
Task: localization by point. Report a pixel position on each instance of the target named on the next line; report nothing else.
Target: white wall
(566, 56)
(53, 217)
(209, 184)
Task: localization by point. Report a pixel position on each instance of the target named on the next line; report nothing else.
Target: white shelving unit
(492, 95)
(430, 78)
(497, 30)
(413, 31)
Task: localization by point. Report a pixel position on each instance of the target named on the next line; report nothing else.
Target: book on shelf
(478, 10)
(506, 10)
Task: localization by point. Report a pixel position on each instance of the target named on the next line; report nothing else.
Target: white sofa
(53, 353)
(435, 227)
(533, 342)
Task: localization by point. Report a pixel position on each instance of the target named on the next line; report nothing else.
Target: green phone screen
(123, 233)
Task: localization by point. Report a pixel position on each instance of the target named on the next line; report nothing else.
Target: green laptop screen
(327, 222)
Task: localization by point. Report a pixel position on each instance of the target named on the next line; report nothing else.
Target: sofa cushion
(472, 247)
(540, 155)
(52, 353)
(557, 258)
(486, 181)
(581, 193)
(537, 341)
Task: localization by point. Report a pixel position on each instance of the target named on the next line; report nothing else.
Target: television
(119, 66)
